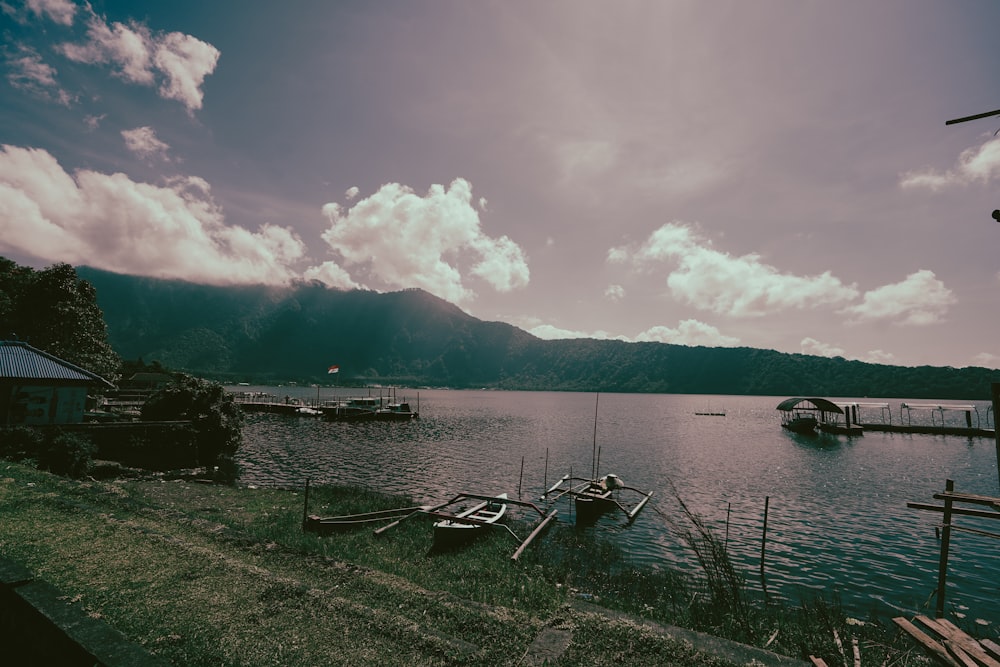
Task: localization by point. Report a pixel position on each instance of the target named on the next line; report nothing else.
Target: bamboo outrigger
(594, 497)
(467, 517)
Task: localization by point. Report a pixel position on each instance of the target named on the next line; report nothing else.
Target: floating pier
(854, 417)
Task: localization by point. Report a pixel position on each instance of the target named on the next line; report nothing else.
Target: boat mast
(593, 457)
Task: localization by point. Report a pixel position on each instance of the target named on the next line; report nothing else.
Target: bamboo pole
(538, 529)
(995, 396)
(949, 486)
(763, 544)
(593, 456)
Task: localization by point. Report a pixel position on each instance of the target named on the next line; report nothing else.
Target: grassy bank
(212, 575)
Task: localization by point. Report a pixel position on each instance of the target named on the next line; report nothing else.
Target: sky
(774, 174)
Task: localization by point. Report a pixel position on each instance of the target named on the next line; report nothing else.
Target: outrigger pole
(436, 512)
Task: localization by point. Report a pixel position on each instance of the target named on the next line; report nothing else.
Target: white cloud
(688, 332)
(974, 165)
(111, 222)
(143, 142)
(549, 332)
(744, 286)
(351, 193)
(27, 71)
(879, 357)
(180, 62)
(185, 61)
(987, 360)
(401, 239)
(331, 274)
(94, 122)
(820, 349)
(920, 299)
(59, 11)
(615, 292)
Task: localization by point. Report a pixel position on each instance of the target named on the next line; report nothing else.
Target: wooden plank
(990, 647)
(973, 498)
(922, 638)
(818, 662)
(983, 514)
(961, 656)
(967, 643)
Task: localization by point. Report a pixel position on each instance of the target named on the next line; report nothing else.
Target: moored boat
(469, 523)
(343, 523)
(396, 412)
(594, 497)
(801, 424)
(352, 409)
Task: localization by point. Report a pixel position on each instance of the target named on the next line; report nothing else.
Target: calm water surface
(837, 515)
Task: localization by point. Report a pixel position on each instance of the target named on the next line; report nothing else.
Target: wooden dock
(971, 432)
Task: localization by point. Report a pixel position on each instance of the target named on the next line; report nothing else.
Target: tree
(217, 420)
(55, 311)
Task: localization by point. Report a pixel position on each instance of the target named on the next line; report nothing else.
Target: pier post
(995, 396)
(949, 487)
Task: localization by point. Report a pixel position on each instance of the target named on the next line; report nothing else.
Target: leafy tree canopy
(55, 311)
(216, 418)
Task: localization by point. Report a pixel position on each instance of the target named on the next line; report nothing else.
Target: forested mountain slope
(267, 334)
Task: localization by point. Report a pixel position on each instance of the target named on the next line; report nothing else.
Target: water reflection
(837, 516)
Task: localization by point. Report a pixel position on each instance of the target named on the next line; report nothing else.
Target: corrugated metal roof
(822, 404)
(22, 362)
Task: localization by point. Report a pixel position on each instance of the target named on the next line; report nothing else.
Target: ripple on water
(837, 516)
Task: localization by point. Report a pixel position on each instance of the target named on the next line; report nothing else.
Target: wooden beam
(537, 531)
(922, 638)
(961, 656)
(982, 514)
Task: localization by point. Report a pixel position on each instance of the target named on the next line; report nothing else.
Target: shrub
(20, 442)
(66, 454)
(217, 420)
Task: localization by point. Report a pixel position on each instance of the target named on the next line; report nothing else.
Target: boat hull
(468, 525)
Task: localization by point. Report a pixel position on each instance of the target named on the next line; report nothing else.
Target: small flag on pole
(333, 369)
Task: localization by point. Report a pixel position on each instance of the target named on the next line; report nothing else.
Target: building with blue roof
(37, 388)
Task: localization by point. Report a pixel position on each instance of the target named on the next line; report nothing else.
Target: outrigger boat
(454, 528)
(338, 524)
(469, 523)
(594, 497)
(345, 522)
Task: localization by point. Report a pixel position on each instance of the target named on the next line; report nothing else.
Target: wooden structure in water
(949, 510)
(854, 418)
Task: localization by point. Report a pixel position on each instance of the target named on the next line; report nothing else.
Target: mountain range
(270, 335)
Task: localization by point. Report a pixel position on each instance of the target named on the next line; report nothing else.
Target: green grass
(203, 574)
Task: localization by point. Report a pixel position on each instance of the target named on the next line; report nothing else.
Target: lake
(837, 517)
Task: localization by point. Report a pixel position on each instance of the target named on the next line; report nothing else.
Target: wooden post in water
(593, 457)
(763, 544)
(520, 479)
(995, 395)
(545, 479)
(305, 505)
(729, 508)
(949, 486)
